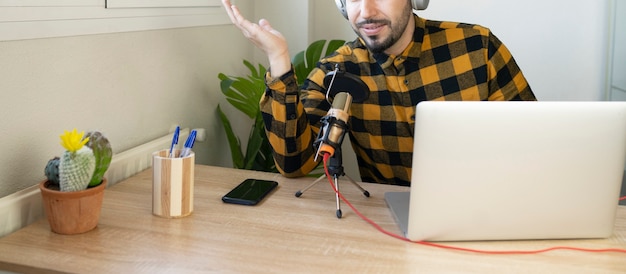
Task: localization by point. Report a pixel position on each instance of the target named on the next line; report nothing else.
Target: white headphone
(417, 5)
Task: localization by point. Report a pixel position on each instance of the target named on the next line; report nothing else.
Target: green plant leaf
(305, 61)
(245, 92)
(313, 53)
(242, 93)
(333, 45)
(300, 67)
(233, 141)
(254, 73)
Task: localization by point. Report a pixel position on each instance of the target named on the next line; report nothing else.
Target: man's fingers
(241, 22)
(229, 10)
(265, 25)
(235, 15)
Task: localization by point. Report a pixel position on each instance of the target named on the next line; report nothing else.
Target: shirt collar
(410, 54)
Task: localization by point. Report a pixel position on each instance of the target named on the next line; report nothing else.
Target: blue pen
(174, 141)
(188, 144)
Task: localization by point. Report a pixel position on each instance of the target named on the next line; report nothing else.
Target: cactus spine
(77, 162)
(52, 170)
(76, 169)
(103, 153)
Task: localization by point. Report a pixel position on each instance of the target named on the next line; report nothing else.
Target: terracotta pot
(72, 212)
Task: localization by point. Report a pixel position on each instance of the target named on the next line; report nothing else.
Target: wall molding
(24, 207)
(20, 209)
(33, 19)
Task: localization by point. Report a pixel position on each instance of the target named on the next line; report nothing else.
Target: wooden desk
(283, 234)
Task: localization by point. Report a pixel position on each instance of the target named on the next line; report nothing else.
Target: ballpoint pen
(174, 141)
(188, 144)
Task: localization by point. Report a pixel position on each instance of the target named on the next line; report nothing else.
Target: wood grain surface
(282, 234)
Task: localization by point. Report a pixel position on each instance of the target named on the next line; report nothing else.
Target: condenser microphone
(335, 124)
(343, 89)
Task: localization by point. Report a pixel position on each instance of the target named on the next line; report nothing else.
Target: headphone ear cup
(419, 4)
(341, 5)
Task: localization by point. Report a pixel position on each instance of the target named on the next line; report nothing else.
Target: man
(403, 59)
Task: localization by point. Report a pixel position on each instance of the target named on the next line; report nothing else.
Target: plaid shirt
(445, 61)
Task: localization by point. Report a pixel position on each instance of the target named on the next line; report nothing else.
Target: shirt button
(413, 117)
(292, 116)
(406, 82)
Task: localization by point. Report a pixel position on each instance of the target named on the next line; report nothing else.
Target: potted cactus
(73, 190)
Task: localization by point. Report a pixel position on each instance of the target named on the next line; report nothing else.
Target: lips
(372, 28)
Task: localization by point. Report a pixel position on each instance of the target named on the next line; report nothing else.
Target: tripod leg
(365, 192)
(339, 214)
(300, 192)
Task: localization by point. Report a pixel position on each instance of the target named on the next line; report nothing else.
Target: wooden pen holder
(172, 184)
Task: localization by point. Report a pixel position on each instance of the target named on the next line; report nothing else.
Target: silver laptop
(513, 171)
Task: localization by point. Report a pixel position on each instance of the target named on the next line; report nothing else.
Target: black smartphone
(250, 192)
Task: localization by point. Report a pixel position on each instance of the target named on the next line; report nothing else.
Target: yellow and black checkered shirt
(445, 61)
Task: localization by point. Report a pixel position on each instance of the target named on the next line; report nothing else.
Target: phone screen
(249, 192)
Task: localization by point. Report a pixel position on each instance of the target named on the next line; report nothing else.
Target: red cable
(623, 198)
(493, 252)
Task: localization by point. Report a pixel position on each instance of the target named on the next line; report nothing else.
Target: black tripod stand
(334, 126)
(335, 169)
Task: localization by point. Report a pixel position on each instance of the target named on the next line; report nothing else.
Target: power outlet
(200, 134)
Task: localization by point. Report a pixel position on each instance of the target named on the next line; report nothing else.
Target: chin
(375, 46)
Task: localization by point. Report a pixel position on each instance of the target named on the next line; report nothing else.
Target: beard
(378, 43)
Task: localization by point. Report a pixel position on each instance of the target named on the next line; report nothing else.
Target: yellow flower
(73, 141)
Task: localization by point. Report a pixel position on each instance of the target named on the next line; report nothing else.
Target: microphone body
(335, 124)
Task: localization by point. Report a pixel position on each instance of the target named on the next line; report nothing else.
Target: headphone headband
(416, 4)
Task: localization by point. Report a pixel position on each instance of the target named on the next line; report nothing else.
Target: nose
(368, 8)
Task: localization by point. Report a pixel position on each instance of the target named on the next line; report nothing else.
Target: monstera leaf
(244, 93)
(304, 62)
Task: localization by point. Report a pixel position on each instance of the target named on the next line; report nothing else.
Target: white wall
(290, 17)
(328, 23)
(617, 82)
(132, 86)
